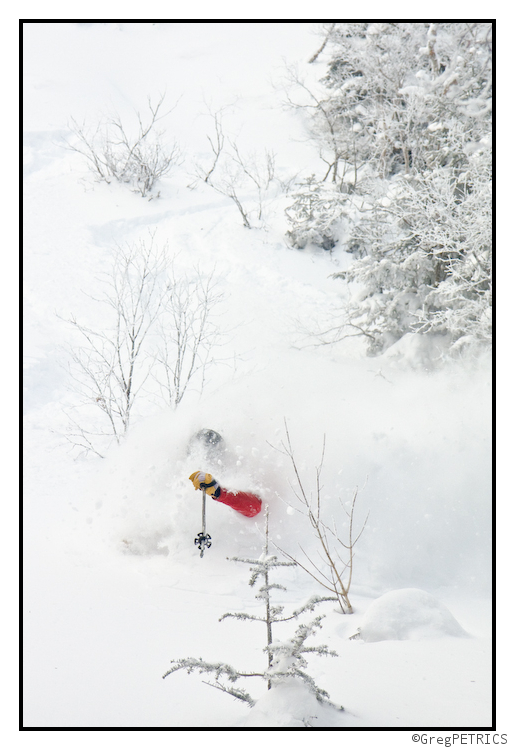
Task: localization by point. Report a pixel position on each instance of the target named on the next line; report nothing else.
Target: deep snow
(114, 587)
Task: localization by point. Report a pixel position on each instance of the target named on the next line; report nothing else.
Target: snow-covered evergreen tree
(397, 86)
(286, 658)
(317, 215)
(410, 108)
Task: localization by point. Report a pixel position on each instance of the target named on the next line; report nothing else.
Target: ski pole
(203, 540)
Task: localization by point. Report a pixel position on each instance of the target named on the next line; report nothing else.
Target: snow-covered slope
(114, 587)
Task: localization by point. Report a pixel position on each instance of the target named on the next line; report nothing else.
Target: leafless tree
(187, 334)
(111, 365)
(336, 552)
(155, 343)
(216, 143)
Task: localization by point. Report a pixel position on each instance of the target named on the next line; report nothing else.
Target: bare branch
(321, 49)
(330, 547)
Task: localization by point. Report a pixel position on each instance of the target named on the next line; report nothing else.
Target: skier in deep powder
(244, 502)
(210, 445)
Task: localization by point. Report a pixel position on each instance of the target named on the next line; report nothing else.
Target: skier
(244, 502)
(208, 442)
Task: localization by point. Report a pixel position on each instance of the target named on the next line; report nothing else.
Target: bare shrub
(247, 179)
(138, 160)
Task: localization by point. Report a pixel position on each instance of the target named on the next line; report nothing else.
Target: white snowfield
(114, 586)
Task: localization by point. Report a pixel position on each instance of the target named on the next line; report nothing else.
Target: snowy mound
(290, 705)
(408, 614)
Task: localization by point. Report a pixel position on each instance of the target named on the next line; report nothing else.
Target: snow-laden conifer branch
(241, 616)
(271, 561)
(310, 605)
(219, 670)
(241, 695)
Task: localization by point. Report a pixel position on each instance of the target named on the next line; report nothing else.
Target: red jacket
(244, 502)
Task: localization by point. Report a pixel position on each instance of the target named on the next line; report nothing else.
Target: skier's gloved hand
(203, 481)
